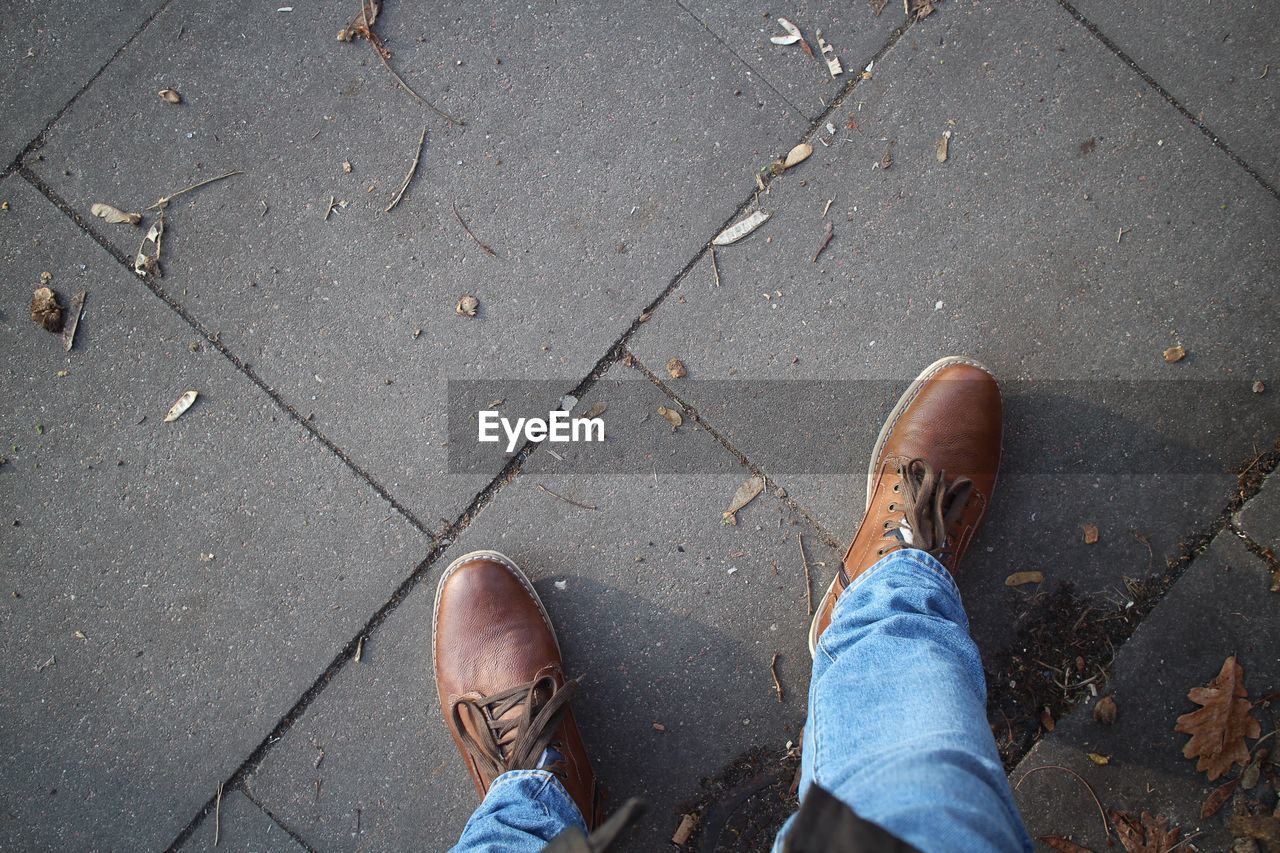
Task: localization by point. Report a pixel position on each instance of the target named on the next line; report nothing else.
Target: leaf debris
(45, 309)
(1219, 728)
(828, 235)
(170, 96)
(1175, 354)
(147, 261)
(114, 215)
(747, 491)
(672, 416)
(1020, 578)
(944, 145)
(180, 406)
(466, 306)
(741, 228)
(73, 322)
(676, 369)
(164, 200)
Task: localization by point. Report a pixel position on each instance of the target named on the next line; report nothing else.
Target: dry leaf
(181, 405)
(1175, 353)
(1099, 759)
(851, 123)
(114, 215)
(921, 9)
(797, 155)
(466, 306)
(1219, 728)
(1144, 834)
(792, 36)
(1090, 533)
(659, 727)
(1046, 719)
(684, 830)
(346, 167)
(1259, 386)
(73, 322)
(1062, 844)
(1264, 828)
(741, 228)
(45, 309)
(1105, 711)
(943, 145)
(147, 261)
(746, 492)
(170, 95)
(1019, 578)
(829, 57)
(886, 162)
(672, 416)
(676, 369)
(596, 410)
(1217, 799)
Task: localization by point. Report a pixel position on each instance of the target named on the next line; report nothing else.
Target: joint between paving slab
(754, 71)
(1168, 96)
(38, 142)
(213, 340)
(827, 538)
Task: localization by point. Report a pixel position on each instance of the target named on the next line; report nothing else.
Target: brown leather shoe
(502, 687)
(932, 473)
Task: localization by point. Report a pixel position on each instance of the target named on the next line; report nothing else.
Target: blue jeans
(897, 727)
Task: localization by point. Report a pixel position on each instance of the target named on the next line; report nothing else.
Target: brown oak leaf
(1061, 843)
(1144, 834)
(1264, 828)
(1217, 799)
(1219, 728)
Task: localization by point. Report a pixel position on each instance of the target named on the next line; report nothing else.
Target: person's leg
(523, 810)
(897, 727)
(897, 724)
(506, 702)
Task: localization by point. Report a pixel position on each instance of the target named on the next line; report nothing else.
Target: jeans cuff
(920, 562)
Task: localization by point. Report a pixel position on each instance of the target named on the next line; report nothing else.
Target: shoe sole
(508, 564)
(908, 397)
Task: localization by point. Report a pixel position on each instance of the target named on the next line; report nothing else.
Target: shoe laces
(510, 741)
(930, 507)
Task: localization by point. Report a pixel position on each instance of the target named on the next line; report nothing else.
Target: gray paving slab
(241, 827)
(596, 159)
(1220, 607)
(49, 52)
(1007, 252)
(169, 590)
(671, 616)
(854, 31)
(1260, 517)
(1220, 66)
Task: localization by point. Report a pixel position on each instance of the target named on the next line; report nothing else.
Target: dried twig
(1106, 827)
(826, 241)
(217, 816)
(715, 267)
(470, 233)
(808, 582)
(359, 649)
(413, 168)
(566, 500)
(328, 210)
(444, 115)
(164, 200)
(773, 670)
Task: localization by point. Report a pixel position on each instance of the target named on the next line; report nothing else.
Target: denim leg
(523, 810)
(897, 725)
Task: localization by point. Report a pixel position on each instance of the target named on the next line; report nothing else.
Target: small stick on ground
(715, 267)
(1106, 827)
(359, 649)
(165, 199)
(1151, 554)
(444, 115)
(217, 816)
(1120, 234)
(73, 321)
(566, 500)
(773, 670)
(328, 210)
(470, 233)
(808, 582)
(413, 169)
(826, 241)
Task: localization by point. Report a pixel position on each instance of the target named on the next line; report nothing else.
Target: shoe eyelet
(893, 507)
(897, 487)
(887, 524)
(880, 552)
